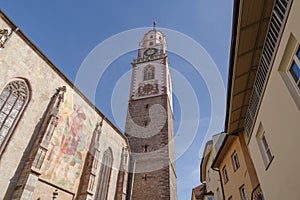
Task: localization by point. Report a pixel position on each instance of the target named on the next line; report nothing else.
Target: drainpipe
(217, 170)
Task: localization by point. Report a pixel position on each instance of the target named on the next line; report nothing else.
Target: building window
(149, 72)
(92, 182)
(210, 198)
(294, 69)
(96, 158)
(13, 99)
(264, 146)
(235, 161)
(39, 159)
(243, 193)
(266, 150)
(289, 68)
(225, 175)
(104, 175)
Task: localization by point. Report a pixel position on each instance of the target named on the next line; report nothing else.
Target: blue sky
(67, 31)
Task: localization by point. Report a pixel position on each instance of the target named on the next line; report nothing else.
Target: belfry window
(104, 175)
(149, 72)
(13, 99)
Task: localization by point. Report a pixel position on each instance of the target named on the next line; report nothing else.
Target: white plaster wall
(17, 59)
(279, 117)
(212, 176)
(139, 77)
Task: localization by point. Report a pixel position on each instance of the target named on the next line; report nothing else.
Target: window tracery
(149, 72)
(13, 99)
(104, 175)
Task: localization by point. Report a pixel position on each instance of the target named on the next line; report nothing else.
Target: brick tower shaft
(149, 123)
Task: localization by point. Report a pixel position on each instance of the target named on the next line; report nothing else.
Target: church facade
(54, 143)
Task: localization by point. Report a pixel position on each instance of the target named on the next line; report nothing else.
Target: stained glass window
(13, 98)
(104, 175)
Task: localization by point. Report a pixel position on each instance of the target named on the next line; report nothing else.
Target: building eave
(19, 32)
(231, 59)
(216, 159)
(250, 23)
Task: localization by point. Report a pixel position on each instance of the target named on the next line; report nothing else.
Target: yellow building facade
(263, 99)
(236, 169)
(263, 102)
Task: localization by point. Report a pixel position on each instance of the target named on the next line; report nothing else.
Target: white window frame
(295, 60)
(225, 174)
(264, 146)
(235, 161)
(243, 193)
(288, 57)
(266, 149)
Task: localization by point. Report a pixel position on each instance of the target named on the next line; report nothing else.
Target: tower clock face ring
(148, 88)
(150, 51)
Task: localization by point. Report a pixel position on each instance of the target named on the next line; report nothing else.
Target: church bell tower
(149, 123)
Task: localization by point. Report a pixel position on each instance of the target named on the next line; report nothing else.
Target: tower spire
(154, 24)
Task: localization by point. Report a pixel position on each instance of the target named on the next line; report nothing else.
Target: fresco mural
(69, 144)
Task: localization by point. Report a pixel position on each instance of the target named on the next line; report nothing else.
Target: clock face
(150, 51)
(148, 88)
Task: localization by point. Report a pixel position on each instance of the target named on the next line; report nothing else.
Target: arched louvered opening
(149, 72)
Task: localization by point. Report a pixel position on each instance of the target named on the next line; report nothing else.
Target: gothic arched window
(149, 72)
(13, 99)
(104, 175)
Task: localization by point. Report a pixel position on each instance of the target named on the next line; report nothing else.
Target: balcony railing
(276, 25)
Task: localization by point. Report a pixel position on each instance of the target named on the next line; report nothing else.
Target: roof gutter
(236, 6)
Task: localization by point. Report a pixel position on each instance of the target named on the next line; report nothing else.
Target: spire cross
(154, 24)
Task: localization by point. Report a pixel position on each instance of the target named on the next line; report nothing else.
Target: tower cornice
(150, 58)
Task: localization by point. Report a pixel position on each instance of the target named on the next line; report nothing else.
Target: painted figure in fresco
(71, 145)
